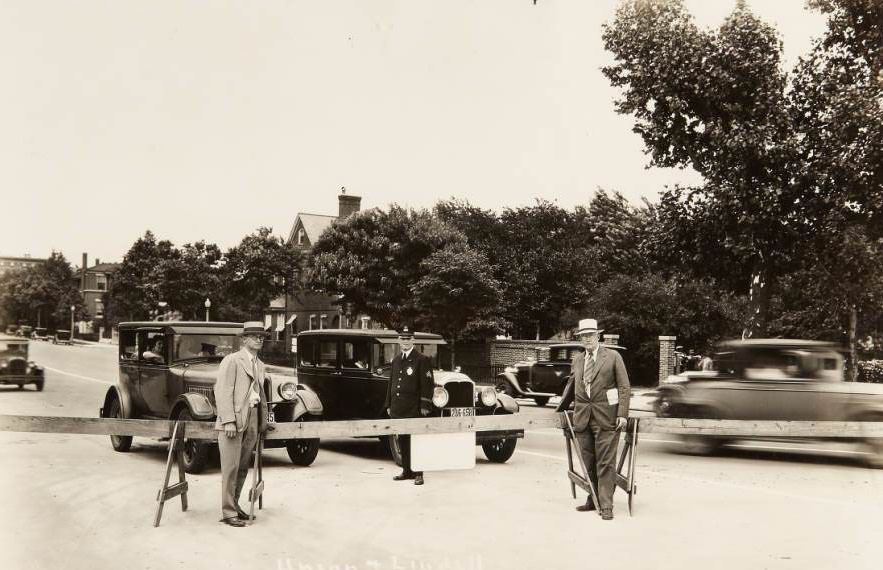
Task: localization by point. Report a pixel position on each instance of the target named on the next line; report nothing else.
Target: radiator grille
(461, 394)
(206, 391)
(17, 366)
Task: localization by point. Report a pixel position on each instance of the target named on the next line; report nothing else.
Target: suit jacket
(410, 385)
(609, 373)
(235, 377)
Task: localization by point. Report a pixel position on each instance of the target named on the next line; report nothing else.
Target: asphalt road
(72, 502)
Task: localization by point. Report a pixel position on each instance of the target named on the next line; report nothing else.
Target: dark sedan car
(15, 368)
(167, 370)
(349, 372)
(542, 379)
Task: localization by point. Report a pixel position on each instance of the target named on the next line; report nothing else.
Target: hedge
(870, 371)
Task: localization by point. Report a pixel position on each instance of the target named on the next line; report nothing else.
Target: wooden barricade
(166, 492)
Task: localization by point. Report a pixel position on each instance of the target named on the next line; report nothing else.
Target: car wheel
(873, 447)
(121, 443)
(303, 451)
(395, 450)
(195, 453)
(504, 387)
(700, 444)
(541, 400)
(39, 385)
(501, 450)
(664, 406)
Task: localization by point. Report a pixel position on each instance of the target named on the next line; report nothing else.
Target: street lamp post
(73, 308)
(162, 309)
(208, 305)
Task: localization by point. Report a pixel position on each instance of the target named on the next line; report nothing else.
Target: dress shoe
(233, 521)
(607, 514)
(588, 506)
(404, 475)
(243, 516)
(418, 479)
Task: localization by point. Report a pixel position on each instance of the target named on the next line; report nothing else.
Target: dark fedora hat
(405, 334)
(253, 328)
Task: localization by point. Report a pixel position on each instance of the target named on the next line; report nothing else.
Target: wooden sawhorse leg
(176, 448)
(577, 480)
(626, 481)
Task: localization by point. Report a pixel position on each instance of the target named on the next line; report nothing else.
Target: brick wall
(667, 359)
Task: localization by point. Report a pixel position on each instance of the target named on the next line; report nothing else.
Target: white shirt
(407, 353)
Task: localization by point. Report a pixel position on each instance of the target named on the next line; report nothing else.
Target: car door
(153, 375)
(362, 392)
(128, 367)
(317, 368)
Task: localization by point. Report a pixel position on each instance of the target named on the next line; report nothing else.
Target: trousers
(405, 447)
(235, 458)
(598, 449)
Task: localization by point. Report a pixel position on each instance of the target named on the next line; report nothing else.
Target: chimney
(347, 204)
(83, 272)
(97, 261)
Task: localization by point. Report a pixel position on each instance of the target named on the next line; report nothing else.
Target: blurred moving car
(25, 331)
(349, 370)
(167, 370)
(542, 379)
(15, 368)
(773, 379)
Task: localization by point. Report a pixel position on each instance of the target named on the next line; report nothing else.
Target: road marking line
(89, 378)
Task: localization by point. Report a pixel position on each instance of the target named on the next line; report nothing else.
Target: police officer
(409, 395)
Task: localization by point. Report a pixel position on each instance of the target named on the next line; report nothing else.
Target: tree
(42, 293)
(141, 283)
(720, 102)
(261, 268)
(458, 294)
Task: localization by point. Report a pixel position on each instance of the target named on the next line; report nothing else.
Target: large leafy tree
(785, 161)
(42, 294)
(141, 282)
(259, 269)
(406, 267)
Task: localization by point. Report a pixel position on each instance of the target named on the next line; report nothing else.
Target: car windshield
(13, 348)
(384, 353)
(187, 346)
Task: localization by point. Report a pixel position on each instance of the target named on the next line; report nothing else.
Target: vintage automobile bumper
(495, 435)
(19, 378)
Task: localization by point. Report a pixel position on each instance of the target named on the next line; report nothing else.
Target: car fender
(199, 406)
(512, 380)
(124, 398)
(306, 402)
(507, 403)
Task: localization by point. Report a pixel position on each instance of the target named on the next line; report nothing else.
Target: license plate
(461, 412)
(271, 418)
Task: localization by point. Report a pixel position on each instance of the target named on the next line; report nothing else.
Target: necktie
(587, 373)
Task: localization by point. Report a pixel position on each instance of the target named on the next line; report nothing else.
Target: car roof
(184, 327)
(14, 338)
(581, 345)
(383, 335)
(778, 343)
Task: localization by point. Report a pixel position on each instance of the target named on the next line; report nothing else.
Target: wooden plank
(579, 481)
(330, 429)
(173, 491)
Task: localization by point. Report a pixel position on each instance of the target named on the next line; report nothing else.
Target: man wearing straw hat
(242, 404)
(601, 405)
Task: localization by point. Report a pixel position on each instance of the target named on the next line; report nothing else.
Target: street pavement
(71, 502)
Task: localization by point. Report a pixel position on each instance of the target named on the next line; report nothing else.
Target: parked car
(772, 379)
(40, 333)
(11, 330)
(25, 331)
(62, 336)
(167, 370)
(542, 379)
(15, 368)
(349, 370)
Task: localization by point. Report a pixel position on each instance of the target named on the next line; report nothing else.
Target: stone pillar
(611, 338)
(666, 356)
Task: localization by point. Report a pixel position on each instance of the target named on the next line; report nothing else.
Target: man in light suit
(409, 395)
(599, 388)
(242, 414)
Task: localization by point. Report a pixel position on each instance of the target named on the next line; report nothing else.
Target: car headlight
(488, 396)
(287, 390)
(440, 397)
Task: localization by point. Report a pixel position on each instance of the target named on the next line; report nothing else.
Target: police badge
(409, 371)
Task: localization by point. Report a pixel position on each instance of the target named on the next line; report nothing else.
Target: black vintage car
(542, 379)
(40, 333)
(15, 368)
(62, 336)
(167, 370)
(349, 372)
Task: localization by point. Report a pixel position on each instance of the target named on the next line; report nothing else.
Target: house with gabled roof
(288, 315)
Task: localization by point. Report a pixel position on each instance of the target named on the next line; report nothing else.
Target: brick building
(8, 263)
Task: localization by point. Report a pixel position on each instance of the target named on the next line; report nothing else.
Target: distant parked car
(25, 331)
(167, 370)
(15, 368)
(772, 379)
(40, 333)
(62, 336)
(542, 379)
(11, 329)
(349, 370)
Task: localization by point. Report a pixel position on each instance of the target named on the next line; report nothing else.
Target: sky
(206, 120)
